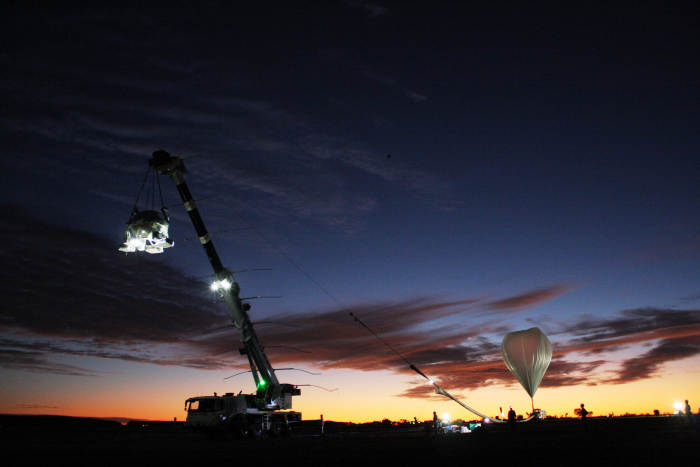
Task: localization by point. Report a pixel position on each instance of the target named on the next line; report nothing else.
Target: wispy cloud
(111, 97)
(37, 362)
(674, 335)
(374, 10)
(67, 292)
(528, 300)
(38, 407)
(648, 364)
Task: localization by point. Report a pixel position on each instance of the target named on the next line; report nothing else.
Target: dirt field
(658, 441)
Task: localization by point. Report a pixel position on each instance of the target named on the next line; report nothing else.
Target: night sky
(447, 171)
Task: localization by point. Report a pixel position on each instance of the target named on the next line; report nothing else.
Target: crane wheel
(275, 430)
(256, 431)
(241, 432)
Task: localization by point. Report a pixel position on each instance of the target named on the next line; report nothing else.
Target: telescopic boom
(268, 387)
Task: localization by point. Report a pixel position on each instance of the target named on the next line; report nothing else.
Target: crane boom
(269, 389)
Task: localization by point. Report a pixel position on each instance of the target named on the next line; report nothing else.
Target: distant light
(486, 420)
(225, 284)
(445, 417)
(215, 286)
(679, 406)
(432, 382)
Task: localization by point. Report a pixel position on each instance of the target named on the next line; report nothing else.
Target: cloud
(136, 82)
(372, 9)
(648, 364)
(36, 362)
(633, 326)
(37, 407)
(67, 292)
(70, 293)
(674, 335)
(528, 300)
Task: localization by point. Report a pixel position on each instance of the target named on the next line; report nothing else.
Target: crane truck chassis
(268, 410)
(239, 416)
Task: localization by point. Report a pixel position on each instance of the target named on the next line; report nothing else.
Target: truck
(268, 410)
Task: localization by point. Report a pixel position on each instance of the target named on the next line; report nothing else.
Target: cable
(285, 256)
(385, 342)
(160, 190)
(439, 390)
(140, 190)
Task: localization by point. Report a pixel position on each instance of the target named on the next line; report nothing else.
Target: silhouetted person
(688, 412)
(436, 423)
(511, 419)
(584, 414)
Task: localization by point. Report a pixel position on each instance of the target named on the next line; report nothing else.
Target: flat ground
(657, 441)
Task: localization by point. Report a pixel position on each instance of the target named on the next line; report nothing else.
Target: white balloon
(527, 355)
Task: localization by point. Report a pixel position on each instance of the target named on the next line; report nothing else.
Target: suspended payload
(147, 231)
(527, 355)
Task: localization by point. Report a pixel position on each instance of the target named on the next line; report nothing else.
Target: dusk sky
(449, 172)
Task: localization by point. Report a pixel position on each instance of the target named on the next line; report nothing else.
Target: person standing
(584, 414)
(688, 412)
(511, 418)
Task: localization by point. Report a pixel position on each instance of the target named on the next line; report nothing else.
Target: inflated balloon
(527, 355)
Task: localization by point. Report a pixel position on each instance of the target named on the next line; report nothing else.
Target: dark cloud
(39, 407)
(529, 299)
(63, 282)
(570, 373)
(156, 78)
(37, 362)
(672, 334)
(647, 364)
(71, 293)
(633, 326)
(67, 292)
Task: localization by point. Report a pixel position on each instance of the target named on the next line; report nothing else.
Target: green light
(262, 384)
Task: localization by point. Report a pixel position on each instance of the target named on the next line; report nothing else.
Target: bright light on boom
(223, 284)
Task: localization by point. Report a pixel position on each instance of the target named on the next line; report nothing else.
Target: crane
(241, 415)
